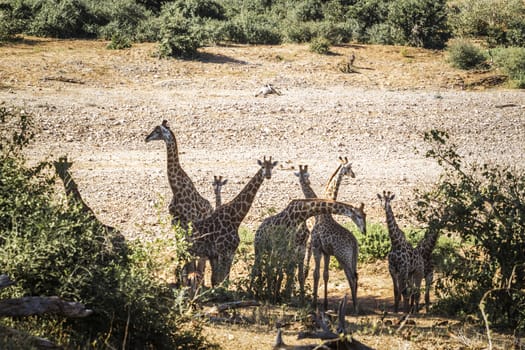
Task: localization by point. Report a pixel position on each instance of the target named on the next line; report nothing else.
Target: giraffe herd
(215, 237)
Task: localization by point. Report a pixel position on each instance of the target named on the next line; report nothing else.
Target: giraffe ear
(225, 182)
(296, 174)
(259, 162)
(379, 196)
(274, 163)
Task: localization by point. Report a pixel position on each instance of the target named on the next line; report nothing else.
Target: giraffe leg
(428, 282)
(397, 295)
(351, 276)
(326, 268)
(317, 268)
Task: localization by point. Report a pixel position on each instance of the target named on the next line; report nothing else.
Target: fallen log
(29, 306)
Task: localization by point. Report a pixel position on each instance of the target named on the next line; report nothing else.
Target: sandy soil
(98, 105)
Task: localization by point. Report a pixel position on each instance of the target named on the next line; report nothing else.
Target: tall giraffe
(425, 247)
(405, 263)
(285, 224)
(217, 184)
(187, 205)
(216, 237)
(330, 238)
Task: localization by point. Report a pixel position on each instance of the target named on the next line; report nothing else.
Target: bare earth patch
(97, 106)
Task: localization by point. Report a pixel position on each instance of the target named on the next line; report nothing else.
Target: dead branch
(63, 79)
(237, 305)
(28, 306)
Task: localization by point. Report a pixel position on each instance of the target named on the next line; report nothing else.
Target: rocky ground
(97, 106)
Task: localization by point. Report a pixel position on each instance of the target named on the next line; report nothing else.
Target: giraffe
(330, 238)
(405, 263)
(285, 224)
(74, 198)
(187, 205)
(217, 184)
(216, 237)
(425, 247)
(62, 167)
(303, 232)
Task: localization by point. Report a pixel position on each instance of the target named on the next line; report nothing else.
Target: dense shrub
(199, 8)
(179, 36)
(463, 54)
(259, 29)
(14, 17)
(273, 274)
(62, 19)
(320, 45)
(308, 10)
(423, 23)
(512, 61)
(53, 249)
(124, 19)
(483, 205)
(500, 22)
(366, 14)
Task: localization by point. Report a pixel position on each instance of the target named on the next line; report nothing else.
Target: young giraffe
(297, 211)
(425, 248)
(74, 198)
(62, 167)
(217, 184)
(303, 232)
(216, 237)
(330, 238)
(187, 205)
(405, 263)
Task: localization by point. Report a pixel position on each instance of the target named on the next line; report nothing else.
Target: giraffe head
(386, 197)
(267, 166)
(346, 167)
(303, 174)
(161, 132)
(62, 166)
(218, 182)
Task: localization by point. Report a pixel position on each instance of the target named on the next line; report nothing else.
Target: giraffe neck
(72, 192)
(332, 187)
(397, 236)
(218, 198)
(307, 189)
(428, 242)
(301, 209)
(239, 206)
(172, 152)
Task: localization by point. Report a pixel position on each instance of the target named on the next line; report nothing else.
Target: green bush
(483, 205)
(320, 45)
(273, 271)
(422, 23)
(500, 22)
(512, 61)
(14, 17)
(381, 33)
(465, 55)
(298, 32)
(124, 18)
(260, 30)
(49, 248)
(308, 10)
(62, 19)
(199, 8)
(179, 36)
